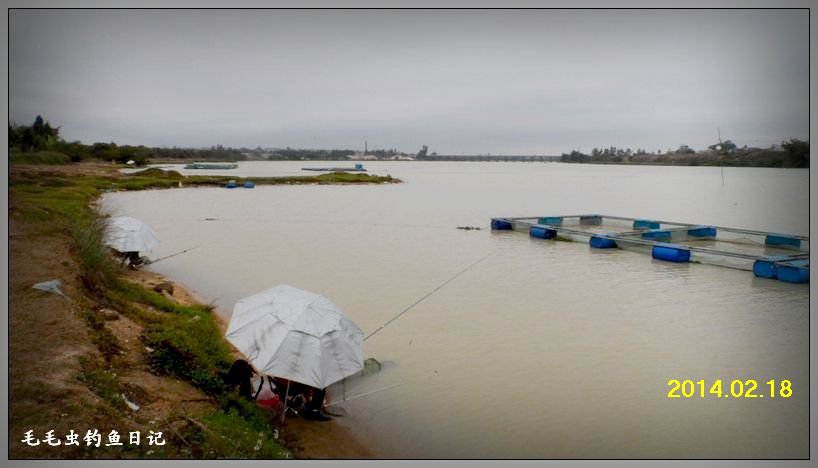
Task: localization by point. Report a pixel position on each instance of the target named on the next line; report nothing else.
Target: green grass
(157, 178)
(241, 434)
(101, 380)
(186, 340)
(48, 196)
(38, 157)
(99, 270)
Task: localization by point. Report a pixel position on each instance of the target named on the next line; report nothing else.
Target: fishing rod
(382, 389)
(427, 295)
(151, 262)
(395, 318)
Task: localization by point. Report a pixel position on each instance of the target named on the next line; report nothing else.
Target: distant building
(360, 156)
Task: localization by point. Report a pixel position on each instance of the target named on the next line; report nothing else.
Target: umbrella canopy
(298, 335)
(127, 234)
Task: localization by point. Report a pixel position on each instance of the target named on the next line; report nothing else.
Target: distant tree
(38, 124)
(684, 149)
(27, 140)
(797, 151)
(14, 138)
(725, 147)
(38, 136)
(423, 150)
(575, 156)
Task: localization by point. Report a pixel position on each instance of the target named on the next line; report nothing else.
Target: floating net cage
(766, 254)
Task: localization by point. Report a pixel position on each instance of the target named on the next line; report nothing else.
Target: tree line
(41, 136)
(791, 153)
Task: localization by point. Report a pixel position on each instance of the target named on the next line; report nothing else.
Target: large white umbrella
(127, 234)
(298, 335)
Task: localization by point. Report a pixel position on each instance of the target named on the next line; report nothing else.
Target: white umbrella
(127, 234)
(298, 335)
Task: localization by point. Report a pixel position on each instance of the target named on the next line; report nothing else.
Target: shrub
(98, 268)
(40, 157)
(190, 346)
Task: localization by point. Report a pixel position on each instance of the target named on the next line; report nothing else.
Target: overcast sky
(473, 81)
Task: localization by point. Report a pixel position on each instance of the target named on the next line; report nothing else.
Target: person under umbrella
(130, 236)
(299, 336)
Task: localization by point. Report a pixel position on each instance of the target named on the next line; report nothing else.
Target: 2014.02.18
(736, 389)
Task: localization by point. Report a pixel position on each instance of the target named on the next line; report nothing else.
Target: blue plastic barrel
(593, 220)
(542, 232)
(764, 268)
(231, 184)
(602, 241)
(671, 253)
(767, 267)
(702, 231)
(656, 234)
(501, 224)
(552, 220)
(782, 240)
(249, 184)
(794, 272)
(645, 224)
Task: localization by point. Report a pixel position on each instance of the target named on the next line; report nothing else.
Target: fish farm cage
(768, 255)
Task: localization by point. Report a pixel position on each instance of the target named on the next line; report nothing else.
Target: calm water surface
(542, 349)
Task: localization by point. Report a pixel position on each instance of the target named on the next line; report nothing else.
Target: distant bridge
(493, 158)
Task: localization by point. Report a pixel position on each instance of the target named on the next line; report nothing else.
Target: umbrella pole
(286, 395)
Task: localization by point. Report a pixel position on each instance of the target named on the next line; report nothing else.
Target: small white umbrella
(127, 234)
(298, 335)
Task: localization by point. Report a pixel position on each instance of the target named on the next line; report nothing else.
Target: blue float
(552, 220)
(781, 240)
(542, 232)
(702, 231)
(593, 220)
(602, 241)
(671, 253)
(793, 272)
(249, 184)
(645, 224)
(656, 234)
(501, 224)
(231, 184)
(764, 268)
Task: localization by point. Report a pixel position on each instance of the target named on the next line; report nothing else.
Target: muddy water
(542, 349)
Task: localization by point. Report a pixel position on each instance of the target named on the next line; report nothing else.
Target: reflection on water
(543, 349)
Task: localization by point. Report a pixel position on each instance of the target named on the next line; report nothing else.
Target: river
(542, 349)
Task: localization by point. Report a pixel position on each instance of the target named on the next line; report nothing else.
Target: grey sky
(473, 81)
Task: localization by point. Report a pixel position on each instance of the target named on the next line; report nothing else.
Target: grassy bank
(121, 342)
(47, 190)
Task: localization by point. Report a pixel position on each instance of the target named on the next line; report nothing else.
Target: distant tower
(365, 147)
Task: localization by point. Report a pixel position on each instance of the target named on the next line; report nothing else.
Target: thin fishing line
(172, 255)
(381, 389)
(427, 295)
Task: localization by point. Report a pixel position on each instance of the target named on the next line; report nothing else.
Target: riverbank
(114, 355)
(304, 439)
